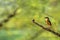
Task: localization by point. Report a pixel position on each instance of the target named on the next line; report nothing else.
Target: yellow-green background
(21, 27)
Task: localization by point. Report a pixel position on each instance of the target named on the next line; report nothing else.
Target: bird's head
(46, 18)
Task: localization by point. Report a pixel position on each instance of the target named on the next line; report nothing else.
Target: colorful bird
(48, 21)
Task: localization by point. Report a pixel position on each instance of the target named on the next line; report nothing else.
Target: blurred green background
(21, 27)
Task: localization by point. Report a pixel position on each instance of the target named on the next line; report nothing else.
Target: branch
(8, 18)
(55, 33)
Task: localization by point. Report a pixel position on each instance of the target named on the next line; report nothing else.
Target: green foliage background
(21, 26)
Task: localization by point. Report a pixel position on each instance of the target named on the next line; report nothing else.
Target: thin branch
(8, 17)
(55, 33)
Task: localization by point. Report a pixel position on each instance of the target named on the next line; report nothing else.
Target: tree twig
(8, 17)
(55, 33)
(11, 15)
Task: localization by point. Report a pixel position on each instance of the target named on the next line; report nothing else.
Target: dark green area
(21, 26)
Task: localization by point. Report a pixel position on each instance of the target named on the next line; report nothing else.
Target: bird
(48, 22)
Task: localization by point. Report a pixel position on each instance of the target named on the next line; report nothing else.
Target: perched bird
(48, 21)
